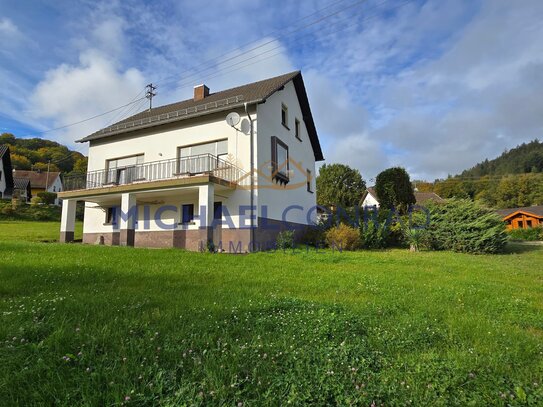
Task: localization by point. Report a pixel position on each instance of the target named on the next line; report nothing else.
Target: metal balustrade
(202, 164)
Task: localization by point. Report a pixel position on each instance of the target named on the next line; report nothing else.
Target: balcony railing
(203, 164)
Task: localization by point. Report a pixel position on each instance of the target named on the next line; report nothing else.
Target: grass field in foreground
(92, 325)
(34, 231)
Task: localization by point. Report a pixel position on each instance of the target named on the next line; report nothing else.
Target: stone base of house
(66, 237)
(229, 240)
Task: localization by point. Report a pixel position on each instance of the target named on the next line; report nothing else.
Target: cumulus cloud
(70, 93)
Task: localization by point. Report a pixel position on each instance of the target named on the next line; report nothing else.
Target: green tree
(20, 162)
(43, 167)
(80, 165)
(394, 189)
(339, 184)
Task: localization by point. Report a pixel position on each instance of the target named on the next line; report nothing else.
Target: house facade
(6, 175)
(181, 176)
(370, 199)
(42, 181)
(522, 218)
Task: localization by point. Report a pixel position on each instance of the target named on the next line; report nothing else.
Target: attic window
(284, 115)
(280, 164)
(297, 129)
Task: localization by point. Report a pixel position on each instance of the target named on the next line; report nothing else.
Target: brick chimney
(200, 92)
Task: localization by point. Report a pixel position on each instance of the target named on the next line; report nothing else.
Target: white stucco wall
(55, 187)
(159, 144)
(369, 200)
(292, 202)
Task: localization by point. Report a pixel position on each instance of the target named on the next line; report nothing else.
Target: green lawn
(93, 325)
(34, 231)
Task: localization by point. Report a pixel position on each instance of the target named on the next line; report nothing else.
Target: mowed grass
(91, 325)
(34, 231)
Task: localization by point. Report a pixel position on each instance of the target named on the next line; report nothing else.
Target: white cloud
(72, 93)
(8, 29)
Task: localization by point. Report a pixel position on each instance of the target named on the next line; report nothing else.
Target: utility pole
(47, 177)
(150, 94)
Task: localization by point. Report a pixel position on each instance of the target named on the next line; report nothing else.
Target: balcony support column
(127, 219)
(206, 200)
(67, 221)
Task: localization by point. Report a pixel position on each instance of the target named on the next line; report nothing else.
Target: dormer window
(280, 164)
(284, 115)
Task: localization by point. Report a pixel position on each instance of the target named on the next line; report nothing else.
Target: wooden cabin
(522, 218)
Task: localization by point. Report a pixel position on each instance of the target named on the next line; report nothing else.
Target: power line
(312, 23)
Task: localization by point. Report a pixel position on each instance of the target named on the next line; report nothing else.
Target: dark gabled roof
(536, 210)
(21, 183)
(256, 92)
(3, 150)
(8, 170)
(38, 179)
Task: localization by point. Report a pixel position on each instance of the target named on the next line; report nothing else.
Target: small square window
(284, 115)
(297, 129)
(188, 213)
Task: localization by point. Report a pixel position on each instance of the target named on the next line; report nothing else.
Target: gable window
(309, 181)
(297, 129)
(187, 213)
(280, 164)
(204, 157)
(123, 170)
(284, 115)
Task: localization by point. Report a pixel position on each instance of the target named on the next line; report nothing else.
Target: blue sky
(431, 85)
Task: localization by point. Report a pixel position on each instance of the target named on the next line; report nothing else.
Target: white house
(370, 199)
(180, 175)
(42, 181)
(6, 176)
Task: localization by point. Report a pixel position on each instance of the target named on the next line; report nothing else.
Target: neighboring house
(42, 181)
(369, 199)
(6, 173)
(188, 175)
(22, 189)
(522, 218)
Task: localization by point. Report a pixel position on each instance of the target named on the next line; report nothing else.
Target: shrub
(531, 234)
(343, 237)
(36, 200)
(314, 235)
(416, 238)
(461, 225)
(47, 197)
(285, 240)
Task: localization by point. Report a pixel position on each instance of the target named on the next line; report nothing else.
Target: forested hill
(527, 157)
(36, 153)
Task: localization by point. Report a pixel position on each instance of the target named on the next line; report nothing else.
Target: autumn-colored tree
(44, 167)
(20, 162)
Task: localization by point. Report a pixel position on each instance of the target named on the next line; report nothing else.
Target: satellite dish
(232, 119)
(245, 126)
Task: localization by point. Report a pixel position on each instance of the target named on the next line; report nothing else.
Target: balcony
(176, 168)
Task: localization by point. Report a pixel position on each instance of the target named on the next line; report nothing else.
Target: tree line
(38, 154)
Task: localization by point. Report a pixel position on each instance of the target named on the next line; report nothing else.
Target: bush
(416, 238)
(47, 197)
(343, 237)
(314, 236)
(36, 200)
(285, 240)
(530, 234)
(461, 225)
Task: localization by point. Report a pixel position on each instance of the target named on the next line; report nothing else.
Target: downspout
(252, 165)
